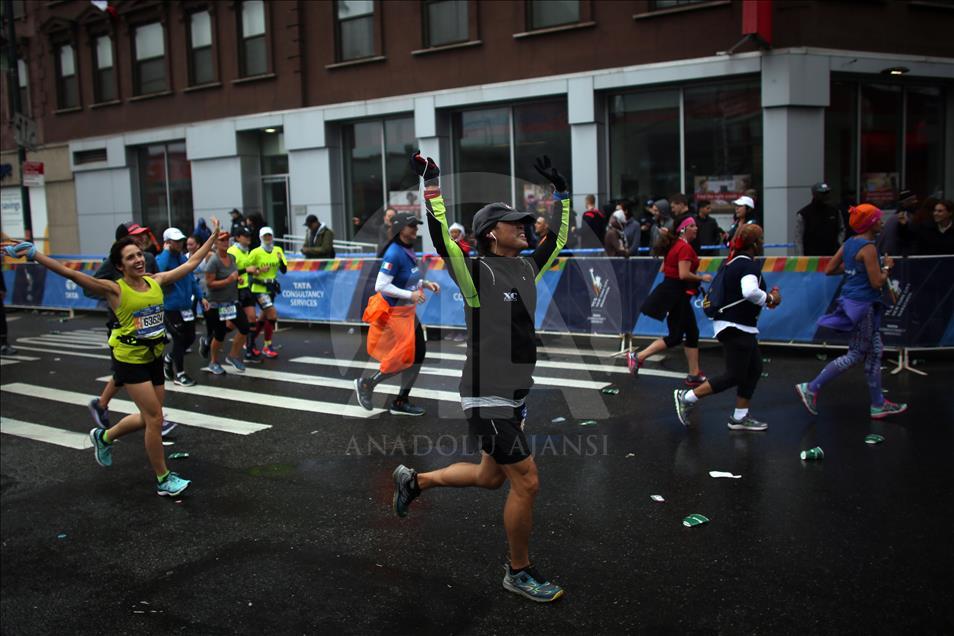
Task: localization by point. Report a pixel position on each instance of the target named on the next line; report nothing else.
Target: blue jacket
(178, 296)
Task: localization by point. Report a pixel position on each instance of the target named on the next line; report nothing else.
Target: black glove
(548, 172)
(425, 168)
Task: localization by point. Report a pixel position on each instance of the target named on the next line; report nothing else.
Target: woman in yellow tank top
(137, 345)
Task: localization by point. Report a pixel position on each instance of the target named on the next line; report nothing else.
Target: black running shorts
(246, 298)
(500, 437)
(127, 373)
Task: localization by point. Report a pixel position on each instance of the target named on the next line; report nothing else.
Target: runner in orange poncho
(395, 338)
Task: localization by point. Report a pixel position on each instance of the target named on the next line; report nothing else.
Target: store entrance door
(276, 205)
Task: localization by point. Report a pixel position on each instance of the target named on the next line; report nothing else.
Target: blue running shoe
(100, 414)
(235, 363)
(103, 451)
(167, 427)
(887, 409)
(172, 485)
(215, 368)
(808, 397)
(529, 583)
(406, 489)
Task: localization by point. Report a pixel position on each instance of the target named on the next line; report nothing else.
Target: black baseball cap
(242, 230)
(311, 218)
(489, 215)
(402, 220)
(821, 188)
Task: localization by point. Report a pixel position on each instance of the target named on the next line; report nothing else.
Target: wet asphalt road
(288, 529)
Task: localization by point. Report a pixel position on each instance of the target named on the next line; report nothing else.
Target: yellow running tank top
(140, 338)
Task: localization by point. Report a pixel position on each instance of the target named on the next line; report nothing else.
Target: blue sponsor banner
(63, 293)
(317, 296)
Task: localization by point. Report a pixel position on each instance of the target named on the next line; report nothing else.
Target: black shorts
(500, 437)
(246, 298)
(128, 373)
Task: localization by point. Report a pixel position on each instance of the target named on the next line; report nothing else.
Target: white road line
(449, 373)
(189, 418)
(61, 343)
(4, 362)
(47, 434)
(266, 399)
(99, 356)
(21, 358)
(91, 340)
(75, 335)
(344, 383)
(573, 366)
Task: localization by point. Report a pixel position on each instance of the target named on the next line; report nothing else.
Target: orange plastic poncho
(391, 336)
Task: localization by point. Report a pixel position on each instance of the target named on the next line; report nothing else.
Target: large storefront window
(165, 186)
(880, 139)
(494, 151)
(377, 171)
(721, 142)
(644, 145)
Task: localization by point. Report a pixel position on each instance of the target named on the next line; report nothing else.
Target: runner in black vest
(499, 289)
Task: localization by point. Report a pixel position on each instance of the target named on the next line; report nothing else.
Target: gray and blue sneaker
(364, 391)
(103, 450)
(204, 346)
(808, 397)
(167, 369)
(215, 368)
(183, 379)
(100, 414)
(406, 489)
(401, 406)
(167, 426)
(529, 583)
(172, 485)
(746, 424)
(235, 363)
(683, 408)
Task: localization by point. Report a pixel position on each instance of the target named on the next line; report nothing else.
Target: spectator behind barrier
(819, 227)
(933, 237)
(595, 221)
(614, 243)
(709, 232)
(319, 239)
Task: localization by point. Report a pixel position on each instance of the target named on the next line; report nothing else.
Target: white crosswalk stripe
(189, 418)
(43, 433)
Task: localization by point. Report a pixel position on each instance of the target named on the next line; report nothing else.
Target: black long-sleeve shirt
(500, 300)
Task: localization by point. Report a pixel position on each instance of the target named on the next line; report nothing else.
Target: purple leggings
(865, 345)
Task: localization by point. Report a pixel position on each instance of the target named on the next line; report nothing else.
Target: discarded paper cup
(179, 455)
(657, 498)
(695, 519)
(610, 390)
(813, 453)
(588, 423)
(874, 438)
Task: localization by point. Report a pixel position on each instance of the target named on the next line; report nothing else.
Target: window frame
(240, 41)
(472, 34)
(26, 104)
(59, 78)
(190, 12)
(98, 97)
(585, 16)
(136, 76)
(375, 33)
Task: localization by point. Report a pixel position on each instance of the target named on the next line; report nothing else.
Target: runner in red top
(672, 299)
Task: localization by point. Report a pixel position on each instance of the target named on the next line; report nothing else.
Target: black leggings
(743, 363)
(681, 321)
(218, 328)
(183, 335)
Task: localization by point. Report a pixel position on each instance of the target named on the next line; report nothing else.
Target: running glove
(425, 168)
(12, 250)
(548, 172)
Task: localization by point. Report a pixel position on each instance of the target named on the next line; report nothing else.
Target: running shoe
(406, 489)
(692, 381)
(168, 426)
(269, 352)
(103, 452)
(808, 397)
(529, 583)
(183, 379)
(683, 408)
(364, 390)
(172, 485)
(167, 369)
(886, 409)
(215, 368)
(100, 414)
(404, 407)
(253, 355)
(8, 350)
(204, 347)
(235, 363)
(634, 363)
(746, 424)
